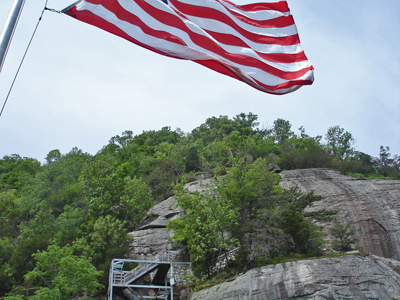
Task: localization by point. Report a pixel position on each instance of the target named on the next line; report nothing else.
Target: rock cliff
(372, 207)
(345, 277)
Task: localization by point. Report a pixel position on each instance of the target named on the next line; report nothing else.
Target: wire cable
(23, 58)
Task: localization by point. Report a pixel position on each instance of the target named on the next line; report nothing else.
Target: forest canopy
(75, 210)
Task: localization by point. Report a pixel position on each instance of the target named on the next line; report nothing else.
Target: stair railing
(119, 277)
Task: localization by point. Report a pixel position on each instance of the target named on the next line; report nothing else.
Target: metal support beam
(143, 286)
(9, 28)
(119, 260)
(172, 282)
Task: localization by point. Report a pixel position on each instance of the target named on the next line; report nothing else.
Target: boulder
(274, 168)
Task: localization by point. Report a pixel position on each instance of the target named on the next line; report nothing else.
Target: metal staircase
(139, 272)
(128, 280)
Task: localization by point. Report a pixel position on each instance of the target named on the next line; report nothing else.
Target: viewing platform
(154, 283)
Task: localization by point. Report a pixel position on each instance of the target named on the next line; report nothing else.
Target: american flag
(256, 43)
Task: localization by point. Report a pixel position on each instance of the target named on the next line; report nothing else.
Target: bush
(305, 153)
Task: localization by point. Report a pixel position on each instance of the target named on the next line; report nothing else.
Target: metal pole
(172, 282)
(9, 28)
(111, 281)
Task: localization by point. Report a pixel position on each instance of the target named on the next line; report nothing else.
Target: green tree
(47, 293)
(213, 128)
(135, 201)
(248, 186)
(246, 124)
(56, 185)
(53, 156)
(16, 297)
(192, 160)
(218, 128)
(62, 274)
(121, 141)
(387, 166)
(281, 130)
(206, 227)
(69, 226)
(16, 171)
(103, 186)
(107, 239)
(340, 141)
(161, 177)
(245, 207)
(148, 141)
(282, 227)
(343, 237)
(10, 214)
(35, 236)
(306, 152)
(306, 237)
(6, 272)
(360, 163)
(118, 146)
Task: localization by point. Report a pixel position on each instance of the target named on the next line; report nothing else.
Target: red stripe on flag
(280, 6)
(282, 21)
(285, 85)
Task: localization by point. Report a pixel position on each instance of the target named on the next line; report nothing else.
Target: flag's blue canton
(165, 1)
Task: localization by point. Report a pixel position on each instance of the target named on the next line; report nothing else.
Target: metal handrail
(222, 258)
(119, 277)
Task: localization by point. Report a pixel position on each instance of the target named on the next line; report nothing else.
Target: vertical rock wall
(372, 207)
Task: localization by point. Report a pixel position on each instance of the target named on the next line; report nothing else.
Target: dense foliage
(245, 208)
(74, 211)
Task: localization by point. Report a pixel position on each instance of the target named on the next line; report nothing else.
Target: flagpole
(9, 28)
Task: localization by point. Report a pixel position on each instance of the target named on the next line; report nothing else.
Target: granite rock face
(372, 207)
(345, 277)
(152, 236)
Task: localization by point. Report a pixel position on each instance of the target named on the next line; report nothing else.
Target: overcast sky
(79, 85)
